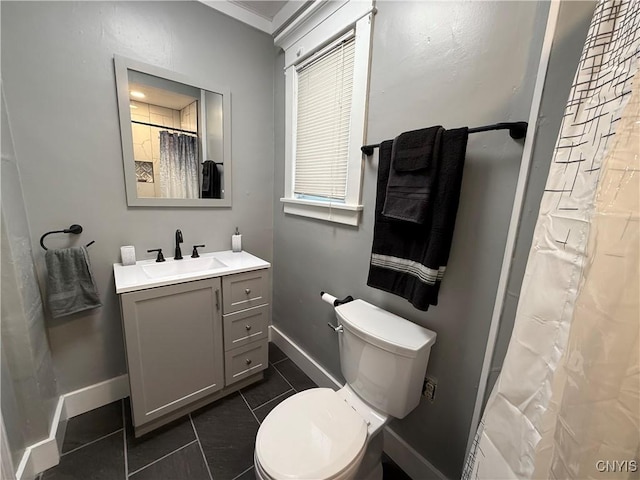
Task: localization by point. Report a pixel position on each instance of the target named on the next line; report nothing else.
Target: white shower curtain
(567, 402)
(179, 166)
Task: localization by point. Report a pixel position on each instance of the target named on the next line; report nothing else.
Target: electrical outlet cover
(429, 390)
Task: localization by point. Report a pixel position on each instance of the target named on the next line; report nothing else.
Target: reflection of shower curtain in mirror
(178, 166)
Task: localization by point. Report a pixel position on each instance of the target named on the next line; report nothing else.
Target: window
(325, 86)
(327, 70)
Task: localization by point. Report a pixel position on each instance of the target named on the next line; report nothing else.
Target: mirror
(175, 134)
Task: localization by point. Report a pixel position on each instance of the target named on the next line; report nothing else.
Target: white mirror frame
(122, 65)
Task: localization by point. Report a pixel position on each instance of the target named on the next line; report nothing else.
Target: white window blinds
(323, 116)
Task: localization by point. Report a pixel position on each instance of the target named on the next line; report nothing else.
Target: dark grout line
(91, 442)
(249, 407)
(206, 464)
(278, 361)
(285, 378)
(274, 398)
(161, 458)
(124, 437)
(238, 476)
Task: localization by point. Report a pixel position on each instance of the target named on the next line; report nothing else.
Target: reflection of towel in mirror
(70, 284)
(210, 180)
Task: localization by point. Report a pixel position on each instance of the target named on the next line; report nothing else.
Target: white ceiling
(266, 9)
(266, 15)
(160, 97)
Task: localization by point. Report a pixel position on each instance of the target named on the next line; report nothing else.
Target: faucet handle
(160, 257)
(195, 253)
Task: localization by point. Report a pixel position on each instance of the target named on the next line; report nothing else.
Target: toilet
(323, 434)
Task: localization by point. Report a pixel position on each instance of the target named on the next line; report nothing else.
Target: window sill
(330, 212)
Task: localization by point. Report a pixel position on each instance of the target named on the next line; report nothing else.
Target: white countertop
(133, 277)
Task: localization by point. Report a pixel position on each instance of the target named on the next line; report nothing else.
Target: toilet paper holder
(336, 303)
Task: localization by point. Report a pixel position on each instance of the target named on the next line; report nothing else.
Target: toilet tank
(383, 356)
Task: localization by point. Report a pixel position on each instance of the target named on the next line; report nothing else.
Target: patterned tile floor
(214, 442)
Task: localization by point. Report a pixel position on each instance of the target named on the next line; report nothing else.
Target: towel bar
(75, 229)
(517, 130)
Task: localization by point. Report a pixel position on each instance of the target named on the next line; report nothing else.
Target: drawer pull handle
(247, 291)
(248, 327)
(248, 361)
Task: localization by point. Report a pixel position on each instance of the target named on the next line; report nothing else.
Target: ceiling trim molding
(241, 14)
(287, 13)
(280, 19)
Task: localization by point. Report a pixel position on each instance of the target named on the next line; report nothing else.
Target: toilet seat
(313, 434)
(347, 474)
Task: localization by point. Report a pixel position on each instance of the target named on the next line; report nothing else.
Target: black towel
(409, 259)
(414, 171)
(211, 187)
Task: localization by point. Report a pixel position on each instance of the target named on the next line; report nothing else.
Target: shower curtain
(567, 402)
(178, 166)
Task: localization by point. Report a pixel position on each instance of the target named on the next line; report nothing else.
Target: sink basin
(149, 274)
(182, 267)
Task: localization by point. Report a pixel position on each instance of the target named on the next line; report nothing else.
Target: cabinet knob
(248, 327)
(247, 291)
(248, 361)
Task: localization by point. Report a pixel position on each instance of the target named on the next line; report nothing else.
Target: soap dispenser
(236, 241)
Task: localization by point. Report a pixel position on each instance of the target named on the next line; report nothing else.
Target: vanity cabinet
(193, 342)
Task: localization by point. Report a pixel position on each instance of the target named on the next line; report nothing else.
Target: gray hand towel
(70, 284)
(415, 160)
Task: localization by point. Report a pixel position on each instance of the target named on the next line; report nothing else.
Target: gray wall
(447, 63)
(571, 31)
(29, 390)
(57, 69)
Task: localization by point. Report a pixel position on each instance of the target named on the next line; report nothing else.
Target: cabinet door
(174, 346)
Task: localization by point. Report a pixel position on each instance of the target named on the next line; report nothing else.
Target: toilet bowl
(317, 434)
(322, 434)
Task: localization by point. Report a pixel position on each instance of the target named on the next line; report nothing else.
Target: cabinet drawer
(244, 327)
(244, 290)
(244, 361)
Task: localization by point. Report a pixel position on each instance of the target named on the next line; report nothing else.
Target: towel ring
(75, 229)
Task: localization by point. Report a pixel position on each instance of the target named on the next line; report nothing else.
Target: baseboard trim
(407, 458)
(413, 464)
(308, 365)
(94, 396)
(46, 454)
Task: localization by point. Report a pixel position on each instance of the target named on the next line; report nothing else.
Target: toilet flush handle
(338, 329)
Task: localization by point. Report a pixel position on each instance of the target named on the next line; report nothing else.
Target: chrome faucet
(178, 255)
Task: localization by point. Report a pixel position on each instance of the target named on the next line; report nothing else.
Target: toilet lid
(313, 434)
